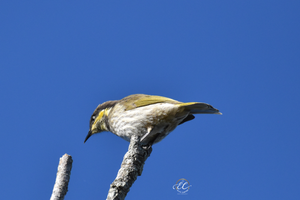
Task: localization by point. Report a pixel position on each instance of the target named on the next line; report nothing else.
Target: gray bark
(60, 188)
(131, 167)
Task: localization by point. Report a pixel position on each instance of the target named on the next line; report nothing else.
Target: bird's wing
(145, 100)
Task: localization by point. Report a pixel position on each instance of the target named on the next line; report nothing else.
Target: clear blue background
(60, 59)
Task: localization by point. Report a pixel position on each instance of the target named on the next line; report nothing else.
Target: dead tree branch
(60, 188)
(131, 167)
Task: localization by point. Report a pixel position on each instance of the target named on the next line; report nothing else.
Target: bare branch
(60, 188)
(131, 167)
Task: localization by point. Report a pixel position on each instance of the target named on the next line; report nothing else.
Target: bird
(149, 117)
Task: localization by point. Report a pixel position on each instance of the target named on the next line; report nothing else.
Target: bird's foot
(147, 146)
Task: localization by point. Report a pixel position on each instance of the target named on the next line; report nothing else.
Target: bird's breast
(161, 118)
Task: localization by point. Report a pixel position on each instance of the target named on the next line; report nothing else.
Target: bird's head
(99, 119)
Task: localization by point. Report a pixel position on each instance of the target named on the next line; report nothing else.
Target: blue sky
(60, 59)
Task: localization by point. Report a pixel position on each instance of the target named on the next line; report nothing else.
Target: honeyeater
(149, 117)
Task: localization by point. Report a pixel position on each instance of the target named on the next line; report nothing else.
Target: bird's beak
(88, 135)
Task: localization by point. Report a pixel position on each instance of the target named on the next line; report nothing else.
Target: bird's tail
(199, 108)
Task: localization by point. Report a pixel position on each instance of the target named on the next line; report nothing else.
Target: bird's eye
(93, 117)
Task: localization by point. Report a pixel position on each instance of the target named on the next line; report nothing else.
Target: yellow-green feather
(145, 100)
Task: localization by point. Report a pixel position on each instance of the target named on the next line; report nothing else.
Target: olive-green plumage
(150, 117)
